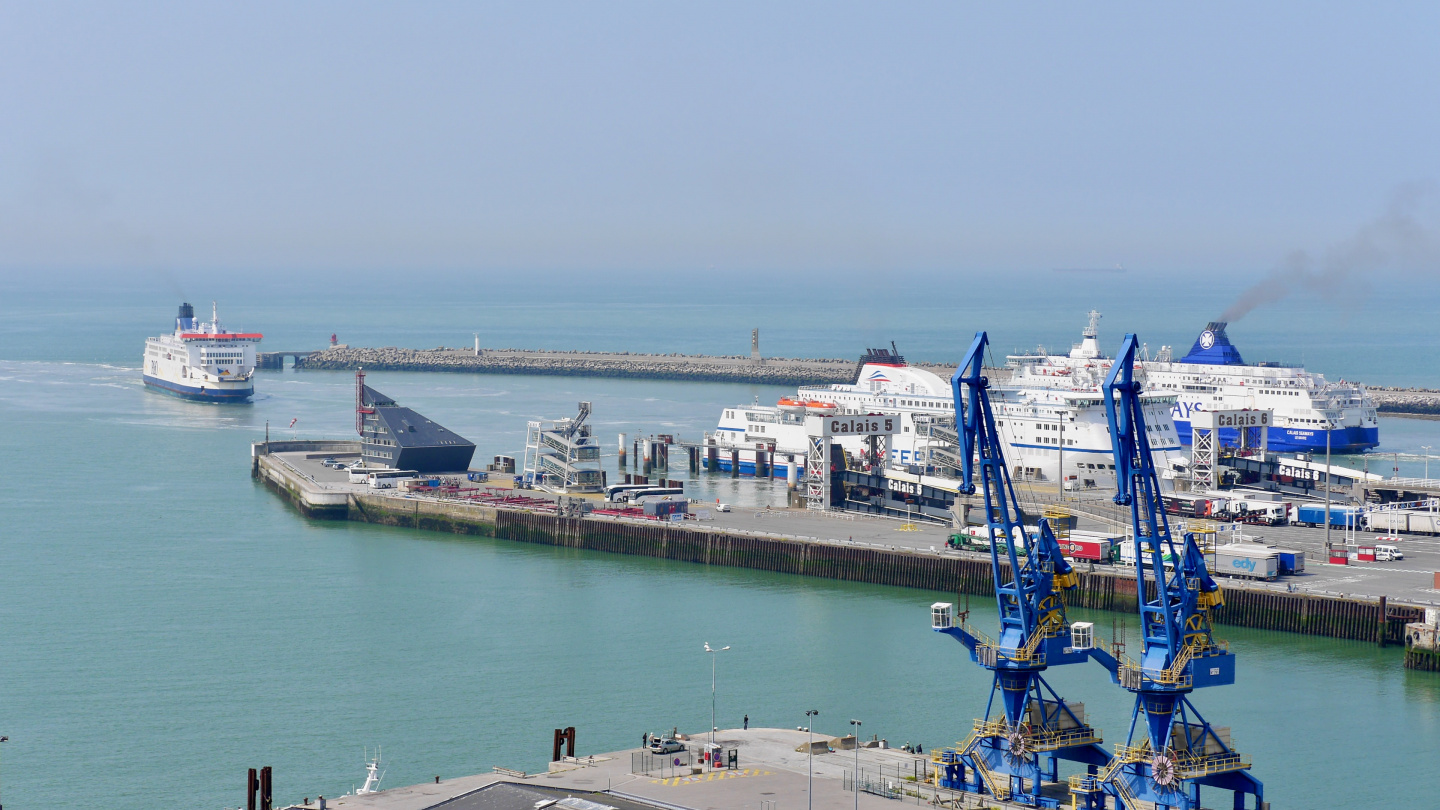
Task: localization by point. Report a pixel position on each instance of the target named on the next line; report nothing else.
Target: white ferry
(202, 361)
(1043, 428)
(1213, 376)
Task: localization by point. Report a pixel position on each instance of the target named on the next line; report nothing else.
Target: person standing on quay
(747, 722)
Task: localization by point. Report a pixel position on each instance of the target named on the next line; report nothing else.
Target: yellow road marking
(676, 781)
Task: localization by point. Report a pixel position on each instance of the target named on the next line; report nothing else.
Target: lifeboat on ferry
(815, 406)
(788, 404)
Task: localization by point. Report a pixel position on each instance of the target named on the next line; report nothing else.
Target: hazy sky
(787, 136)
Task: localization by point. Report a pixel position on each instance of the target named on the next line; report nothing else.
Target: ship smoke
(1396, 238)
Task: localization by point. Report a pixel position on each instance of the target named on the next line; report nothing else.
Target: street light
(857, 724)
(2, 740)
(1328, 427)
(712, 652)
(810, 730)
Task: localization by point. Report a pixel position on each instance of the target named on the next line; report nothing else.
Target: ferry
(1214, 376)
(1043, 428)
(202, 361)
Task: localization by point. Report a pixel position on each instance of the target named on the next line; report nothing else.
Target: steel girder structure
(1003, 755)
(1171, 750)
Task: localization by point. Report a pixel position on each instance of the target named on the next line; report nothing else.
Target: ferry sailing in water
(1043, 427)
(202, 361)
(1213, 377)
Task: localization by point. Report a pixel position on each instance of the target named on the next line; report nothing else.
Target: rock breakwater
(706, 368)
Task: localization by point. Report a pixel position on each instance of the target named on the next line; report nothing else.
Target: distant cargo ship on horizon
(202, 361)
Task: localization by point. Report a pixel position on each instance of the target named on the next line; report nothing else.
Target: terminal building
(399, 438)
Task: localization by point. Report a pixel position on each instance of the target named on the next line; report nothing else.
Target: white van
(1388, 553)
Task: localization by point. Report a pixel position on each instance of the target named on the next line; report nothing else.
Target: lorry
(1292, 561)
(1196, 506)
(1312, 515)
(1090, 546)
(1127, 554)
(1259, 513)
(1403, 521)
(1247, 561)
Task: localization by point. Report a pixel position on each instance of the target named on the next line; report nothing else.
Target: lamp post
(713, 653)
(3, 740)
(1061, 420)
(810, 730)
(857, 724)
(1328, 428)
(1427, 449)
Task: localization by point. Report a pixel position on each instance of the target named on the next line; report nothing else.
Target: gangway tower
(1012, 752)
(1171, 750)
(562, 456)
(1252, 434)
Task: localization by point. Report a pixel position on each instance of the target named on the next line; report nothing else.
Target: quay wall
(1419, 658)
(1319, 615)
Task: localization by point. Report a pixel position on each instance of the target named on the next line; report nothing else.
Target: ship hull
(200, 393)
(1343, 441)
(778, 469)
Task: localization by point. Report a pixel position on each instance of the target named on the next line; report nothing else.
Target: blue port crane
(1012, 752)
(1171, 749)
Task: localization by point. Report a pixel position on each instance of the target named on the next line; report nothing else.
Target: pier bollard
(622, 452)
(712, 459)
(734, 463)
(693, 456)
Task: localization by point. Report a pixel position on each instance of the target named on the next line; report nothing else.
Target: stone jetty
(1412, 401)
(706, 368)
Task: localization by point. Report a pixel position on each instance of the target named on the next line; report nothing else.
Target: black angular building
(399, 438)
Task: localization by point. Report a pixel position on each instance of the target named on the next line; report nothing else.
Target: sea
(166, 623)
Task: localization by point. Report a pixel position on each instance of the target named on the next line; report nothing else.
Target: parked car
(666, 746)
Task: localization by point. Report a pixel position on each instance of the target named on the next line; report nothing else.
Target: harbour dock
(773, 769)
(835, 546)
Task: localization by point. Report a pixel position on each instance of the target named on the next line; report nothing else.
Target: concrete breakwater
(705, 368)
(1320, 615)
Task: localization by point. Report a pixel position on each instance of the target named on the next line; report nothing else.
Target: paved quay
(771, 774)
(1409, 581)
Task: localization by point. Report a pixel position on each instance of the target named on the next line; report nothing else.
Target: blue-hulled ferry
(1213, 376)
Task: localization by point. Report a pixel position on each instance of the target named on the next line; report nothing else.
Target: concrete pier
(773, 769)
(795, 541)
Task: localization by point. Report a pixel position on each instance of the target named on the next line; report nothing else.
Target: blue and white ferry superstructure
(202, 361)
(1043, 427)
(1214, 376)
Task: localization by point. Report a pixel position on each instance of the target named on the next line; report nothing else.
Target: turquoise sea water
(165, 623)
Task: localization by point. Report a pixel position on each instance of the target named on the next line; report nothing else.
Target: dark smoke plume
(1396, 238)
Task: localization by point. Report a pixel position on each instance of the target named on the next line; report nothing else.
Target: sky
(795, 137)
